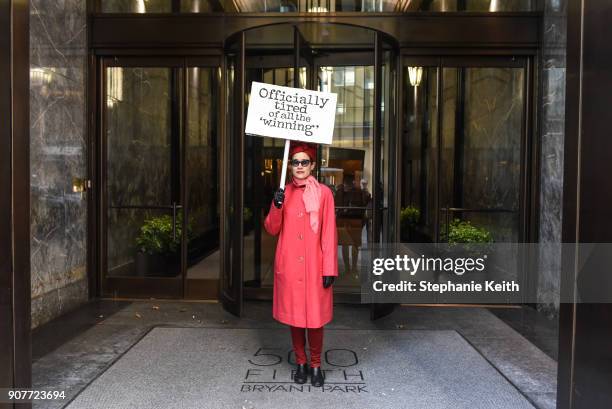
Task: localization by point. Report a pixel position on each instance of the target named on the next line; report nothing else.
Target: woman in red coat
(306, 259)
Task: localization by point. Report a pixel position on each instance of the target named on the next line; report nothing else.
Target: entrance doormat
(252, 368)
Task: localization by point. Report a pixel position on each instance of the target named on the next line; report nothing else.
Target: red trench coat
(302, 258)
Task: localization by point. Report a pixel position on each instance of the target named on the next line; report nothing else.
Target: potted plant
(465, 238)
(409, 217)
(158, 248)
(462, 231)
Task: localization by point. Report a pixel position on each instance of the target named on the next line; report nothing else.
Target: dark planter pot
(473, 250)
(247, 227)
(407, 234)
(157, 265)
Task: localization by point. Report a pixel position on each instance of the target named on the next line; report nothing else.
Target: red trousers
(315, 342)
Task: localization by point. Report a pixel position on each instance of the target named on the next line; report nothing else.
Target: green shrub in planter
(156, 235)
(409, 217)
(158, 249)
(464, 232)
(467, 240)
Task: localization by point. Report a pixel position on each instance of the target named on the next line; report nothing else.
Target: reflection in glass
(136, 6)
(479, 150)
(346, 165)
(389, 147)
(201, 6)
(141, 172)
(464, 5)
(317, 6)
(419, 158)
(488, 168)
(263, 166)
(228, 182)
(203, 255)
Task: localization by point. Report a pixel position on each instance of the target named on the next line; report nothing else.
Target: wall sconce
(415, 74)
(268, 165)
(195, 6)
(140, 6)
(317, 9)
(40, 76)
(80, 185)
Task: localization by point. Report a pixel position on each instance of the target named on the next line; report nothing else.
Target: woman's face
(299, 171)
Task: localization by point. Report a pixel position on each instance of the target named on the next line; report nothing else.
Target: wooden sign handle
(285, 160)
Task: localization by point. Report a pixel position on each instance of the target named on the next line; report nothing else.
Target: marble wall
(58, 55)
(552, 136)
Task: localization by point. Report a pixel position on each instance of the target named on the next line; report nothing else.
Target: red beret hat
(309, 149)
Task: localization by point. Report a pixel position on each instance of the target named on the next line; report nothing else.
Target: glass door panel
(263, 155)
(384, 185)
(419, 154)
(142, 206)
(341, 62)
(463, 149)
(483, 156)
(232, 151)
(389, 145)
(347, 164)
(202, 182)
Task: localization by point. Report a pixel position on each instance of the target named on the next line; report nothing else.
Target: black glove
(328, 280)
(279, 198)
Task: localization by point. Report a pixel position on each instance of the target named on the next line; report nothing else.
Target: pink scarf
(311, 198)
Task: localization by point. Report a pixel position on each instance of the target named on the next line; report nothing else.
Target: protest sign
(291, 113)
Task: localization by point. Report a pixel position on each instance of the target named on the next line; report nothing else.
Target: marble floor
(72, 351)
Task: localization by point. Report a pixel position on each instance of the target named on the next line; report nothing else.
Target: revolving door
(360, 66)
